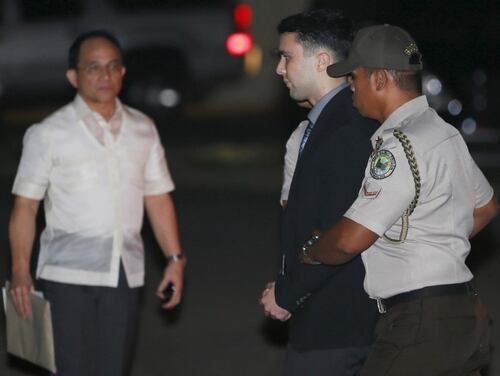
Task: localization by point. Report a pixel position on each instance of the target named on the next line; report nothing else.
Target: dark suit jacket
(329, 306)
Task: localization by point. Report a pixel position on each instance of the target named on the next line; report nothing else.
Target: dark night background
(225, 151)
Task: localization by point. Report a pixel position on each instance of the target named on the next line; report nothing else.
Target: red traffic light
(243, 16)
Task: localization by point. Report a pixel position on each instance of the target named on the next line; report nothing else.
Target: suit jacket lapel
(333, 110)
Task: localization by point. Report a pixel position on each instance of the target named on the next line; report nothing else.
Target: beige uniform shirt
(452, 186)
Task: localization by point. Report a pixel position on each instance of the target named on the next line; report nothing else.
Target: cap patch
(382, 165)
(411, 49)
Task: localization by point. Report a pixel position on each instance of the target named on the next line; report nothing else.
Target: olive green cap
(380, 46)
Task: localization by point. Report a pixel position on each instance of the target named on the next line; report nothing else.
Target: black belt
(466, 288)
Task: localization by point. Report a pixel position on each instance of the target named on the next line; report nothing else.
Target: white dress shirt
(452, 186)
(93, 176)
(291, 156)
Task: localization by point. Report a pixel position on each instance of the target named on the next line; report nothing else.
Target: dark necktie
(305, 137)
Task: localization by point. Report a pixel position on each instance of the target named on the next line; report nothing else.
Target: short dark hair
(318, 28)
(404, 80)
(407, 80)
(74, 49)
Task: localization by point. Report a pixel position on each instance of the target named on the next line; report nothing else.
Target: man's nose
(105, 72)
(280, 67)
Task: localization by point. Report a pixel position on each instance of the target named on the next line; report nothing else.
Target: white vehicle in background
(174, 50)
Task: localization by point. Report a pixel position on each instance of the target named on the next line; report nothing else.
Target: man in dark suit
(331, 317)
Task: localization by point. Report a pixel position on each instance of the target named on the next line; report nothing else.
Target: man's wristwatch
(307, 246)
(176, 257)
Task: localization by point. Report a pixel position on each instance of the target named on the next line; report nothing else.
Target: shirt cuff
(158, 187)
(28, 189)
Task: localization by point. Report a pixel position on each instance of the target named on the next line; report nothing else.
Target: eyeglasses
(97, 69)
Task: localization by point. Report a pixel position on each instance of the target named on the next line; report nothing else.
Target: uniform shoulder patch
(382, 164)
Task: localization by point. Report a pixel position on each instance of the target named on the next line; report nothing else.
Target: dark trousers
(94, 327)
(433, 336)
(327, 362)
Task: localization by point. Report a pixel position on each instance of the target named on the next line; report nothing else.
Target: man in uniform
(331, 148)
(96, 164)
(421, 200)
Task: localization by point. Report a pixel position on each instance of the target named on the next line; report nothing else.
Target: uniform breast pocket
(76, 172)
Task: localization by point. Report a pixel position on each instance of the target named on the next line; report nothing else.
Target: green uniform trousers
(431, 336)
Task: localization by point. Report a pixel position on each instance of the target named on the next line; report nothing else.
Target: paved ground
(229, 215)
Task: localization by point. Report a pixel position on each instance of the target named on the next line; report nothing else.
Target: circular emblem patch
(382, 165)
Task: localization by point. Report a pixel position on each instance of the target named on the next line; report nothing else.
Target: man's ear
(323, 60)
(71, 76)
(380, 79)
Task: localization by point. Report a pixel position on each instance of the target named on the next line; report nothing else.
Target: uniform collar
(416, 105)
